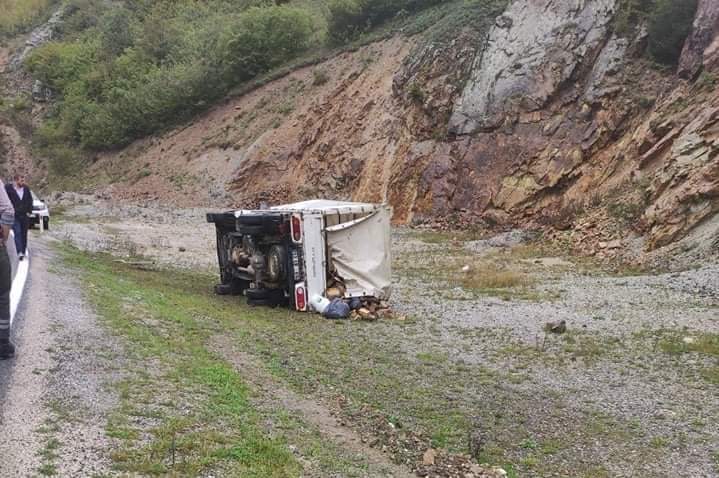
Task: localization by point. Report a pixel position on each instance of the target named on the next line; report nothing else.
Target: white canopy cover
(360, 253)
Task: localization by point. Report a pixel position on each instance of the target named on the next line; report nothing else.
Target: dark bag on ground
(338, 309)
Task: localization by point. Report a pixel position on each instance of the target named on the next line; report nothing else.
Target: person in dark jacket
(21, 199)
(7, 348)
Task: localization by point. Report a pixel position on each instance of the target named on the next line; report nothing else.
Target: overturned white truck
(288, 254)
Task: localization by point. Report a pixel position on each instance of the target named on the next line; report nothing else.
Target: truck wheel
(236, 287)
(46, 223)
(262, 302)
(223, 244)
(272, 296)
(259, 294)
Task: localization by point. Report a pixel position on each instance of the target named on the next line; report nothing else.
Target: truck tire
(222, 260)
(260, 294)
(262, 303)
(272, 296)
(235, 287)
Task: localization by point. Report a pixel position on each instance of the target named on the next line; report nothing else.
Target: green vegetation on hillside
(668, 23)
(348, 18)
(124, 70)
(133, 68)
(19, 15)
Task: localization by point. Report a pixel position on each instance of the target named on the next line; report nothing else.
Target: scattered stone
(384, 313)
(365, 314)
(429, 456)
(615, 244)
(557, 327)
(181, 249)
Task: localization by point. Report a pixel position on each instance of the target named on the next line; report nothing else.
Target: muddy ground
(630, 389)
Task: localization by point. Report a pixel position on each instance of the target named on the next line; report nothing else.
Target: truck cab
(285, 255)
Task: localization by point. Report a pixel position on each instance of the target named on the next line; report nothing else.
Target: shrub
(115, 34)
(319, 77)
(415, 93)
(669, 25)
(267, 37)
(630, 14)
(19, 15)
(349, 18)
(60, 64)
(80, 15)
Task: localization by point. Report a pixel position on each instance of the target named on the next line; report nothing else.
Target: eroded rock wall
(531, 118)
(702, 47)
(534, 48)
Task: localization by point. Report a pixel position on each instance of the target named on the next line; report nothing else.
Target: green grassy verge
(182, 410)
(199, 411)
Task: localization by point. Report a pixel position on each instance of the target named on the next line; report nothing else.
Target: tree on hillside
(669, 25)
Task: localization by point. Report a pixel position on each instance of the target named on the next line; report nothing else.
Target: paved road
(56, 381)
(21, 379)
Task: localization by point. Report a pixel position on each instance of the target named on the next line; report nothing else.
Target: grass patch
(19, 15)
(443, 237)
(711, 374)
(491, 278)
(677, 344)
(220, 428)
(182, 410)
(169, 316)
(659, 442)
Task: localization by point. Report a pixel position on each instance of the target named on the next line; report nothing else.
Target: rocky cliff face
(533, 50)
(512, 120)
(701, 50)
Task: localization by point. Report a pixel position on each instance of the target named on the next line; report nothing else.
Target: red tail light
(300, 297)
(296, 229)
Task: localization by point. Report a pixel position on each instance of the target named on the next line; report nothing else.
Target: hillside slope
(501, 120)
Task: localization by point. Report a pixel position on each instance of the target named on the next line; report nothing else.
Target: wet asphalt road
(60, 384)
(21, 380)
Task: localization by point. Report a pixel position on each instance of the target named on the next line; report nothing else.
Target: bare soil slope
(500, 120)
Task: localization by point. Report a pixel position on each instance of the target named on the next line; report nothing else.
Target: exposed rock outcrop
(514, 122)
(39, 36)
(534, 48)
(702, 46)
(687, 185)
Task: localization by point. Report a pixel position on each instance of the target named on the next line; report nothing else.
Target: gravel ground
(55, 396)
(624, 375)
(171, 237)
(626, 357)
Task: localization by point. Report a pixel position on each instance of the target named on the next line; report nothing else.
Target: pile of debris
(335, 304)
(441, 464)
(410, 447)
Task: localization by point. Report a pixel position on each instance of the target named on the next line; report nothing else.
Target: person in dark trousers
(21, 199)
(7, 219)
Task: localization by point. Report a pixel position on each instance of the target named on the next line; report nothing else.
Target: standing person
(7, 219)
(21, 198)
